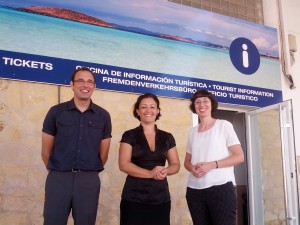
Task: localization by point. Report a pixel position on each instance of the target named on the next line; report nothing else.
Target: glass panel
(225, 5)
(271, 161)
(234, 7)
(254, 8)
(267, 177)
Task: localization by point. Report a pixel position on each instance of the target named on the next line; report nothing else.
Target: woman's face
(203, 106)
(148, 110)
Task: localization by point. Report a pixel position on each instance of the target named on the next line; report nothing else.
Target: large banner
(141, 46)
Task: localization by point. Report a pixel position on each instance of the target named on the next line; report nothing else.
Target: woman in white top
(213, 149)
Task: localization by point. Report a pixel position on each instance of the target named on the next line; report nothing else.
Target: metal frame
(289, 163)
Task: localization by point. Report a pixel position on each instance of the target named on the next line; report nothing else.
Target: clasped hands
(200, 169)
(159, 173)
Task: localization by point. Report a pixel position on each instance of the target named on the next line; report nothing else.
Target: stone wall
(23, 107)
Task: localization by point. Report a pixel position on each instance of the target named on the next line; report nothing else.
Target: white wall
(291, 18)
(288, 24)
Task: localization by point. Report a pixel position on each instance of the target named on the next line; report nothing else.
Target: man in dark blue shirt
(75, 143)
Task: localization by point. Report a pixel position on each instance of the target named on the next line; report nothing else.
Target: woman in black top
(143, 154)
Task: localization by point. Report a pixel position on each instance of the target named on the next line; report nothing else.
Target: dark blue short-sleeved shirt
(77, 136)
(144, 190)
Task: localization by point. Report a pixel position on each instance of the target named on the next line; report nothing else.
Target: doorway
(272, 175)
(238, 121)
(267, 190)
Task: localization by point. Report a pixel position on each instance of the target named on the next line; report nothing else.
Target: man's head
(82, 69)
(83, 83)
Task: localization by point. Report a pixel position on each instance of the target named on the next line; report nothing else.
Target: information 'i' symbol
(245, 56)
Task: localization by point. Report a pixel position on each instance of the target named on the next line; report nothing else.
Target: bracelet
(217, 166)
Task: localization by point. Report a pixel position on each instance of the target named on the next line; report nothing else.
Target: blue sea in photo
(47, 36)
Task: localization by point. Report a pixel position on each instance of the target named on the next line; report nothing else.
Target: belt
(76, 170)
(80, 170)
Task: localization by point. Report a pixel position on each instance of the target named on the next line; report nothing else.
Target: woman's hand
(159, 173)
(202, 168)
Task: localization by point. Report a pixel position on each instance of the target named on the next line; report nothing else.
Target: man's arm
(47, 147)
(104, 148)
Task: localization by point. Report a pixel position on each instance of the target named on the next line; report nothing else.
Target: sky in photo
(161, 16)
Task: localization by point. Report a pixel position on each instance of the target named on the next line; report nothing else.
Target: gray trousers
(76, 191)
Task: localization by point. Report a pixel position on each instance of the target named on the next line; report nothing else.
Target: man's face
(83, 85)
